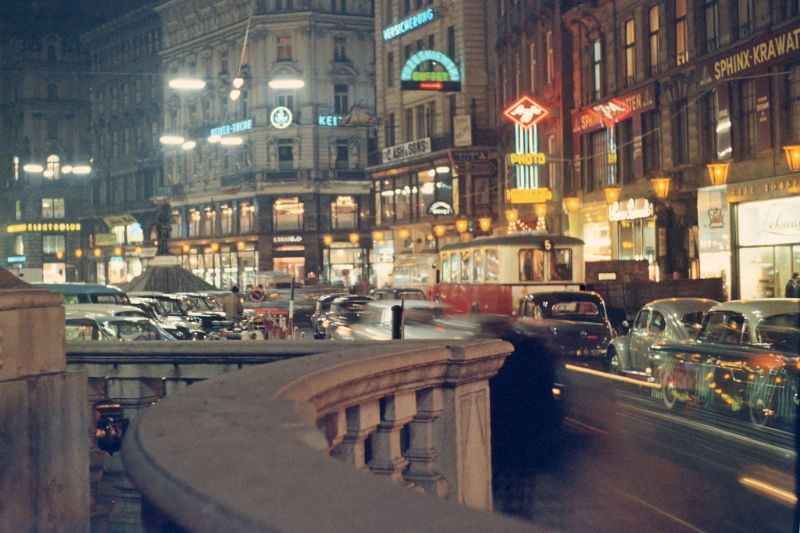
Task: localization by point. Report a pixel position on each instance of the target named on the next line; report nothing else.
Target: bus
(494, 274)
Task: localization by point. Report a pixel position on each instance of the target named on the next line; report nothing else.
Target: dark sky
(74, 15)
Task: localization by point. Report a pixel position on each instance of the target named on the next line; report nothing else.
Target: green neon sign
(448, 79)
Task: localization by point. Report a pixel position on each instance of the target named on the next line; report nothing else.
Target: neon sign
(328, 120)
(236, 127)
(281, 117)
(44, 227)
(448, 79)
(409, 24)
(525, 112)
(611, 112)
(529, 158)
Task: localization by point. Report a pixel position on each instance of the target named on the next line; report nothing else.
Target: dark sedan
(320, 318)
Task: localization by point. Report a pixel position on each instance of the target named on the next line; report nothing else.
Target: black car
(571, 324)
(319, 318)
(388, 293)
(345, 311)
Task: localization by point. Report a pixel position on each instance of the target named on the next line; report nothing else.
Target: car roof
(408, 304)
(325, 298)
(564, 295)
(756, 309)
(80, 288)
(354, 298)
(155, 294)
(682, 305)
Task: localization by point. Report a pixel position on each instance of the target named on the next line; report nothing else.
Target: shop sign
(469, 155)
(287, 238)
(760, 53)
(119, 220)
(281, 117)
(630, 210)
(535, 158)
(409, 24)
(769, 222)
(614, 110)
(440, 208)
(330, 121)
(228, 129)
(406, 150)
(462, 130)
(525, 112)
(38, 227)
(448, 79)
(12, 259)
(105, 239)
(538, 195)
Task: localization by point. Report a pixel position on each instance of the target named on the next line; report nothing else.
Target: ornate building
(272, 176)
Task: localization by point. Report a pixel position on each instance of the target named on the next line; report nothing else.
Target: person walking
(232, 304)
(793, 286)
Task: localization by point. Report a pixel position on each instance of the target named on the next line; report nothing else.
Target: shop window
(681, 32)
(491, 267)
(561, 265)
(226, 219)
(246, 217)
(344, 213)
(531, 265)
(288, 214)
(52, 208)
(402, 198)
(284, 44)
(426, 190)
(194, 223)
(53, 244)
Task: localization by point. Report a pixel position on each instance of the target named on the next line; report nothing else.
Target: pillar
(422, 455)
(361, 421)
(396, 411)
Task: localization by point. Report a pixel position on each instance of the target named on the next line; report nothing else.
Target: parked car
(86, 328)
(86, 293)
(175, 315)
(743, 360)
(421, 321)
(136, 329)
(388, 293)
(319, 319)
(103, 310)
(345, 311)
(571, 324)
(672, 319)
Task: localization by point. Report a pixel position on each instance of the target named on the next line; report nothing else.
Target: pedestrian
(793, 286)
(232, 304)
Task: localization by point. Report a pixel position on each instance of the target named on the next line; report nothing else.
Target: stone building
(44, 143)
(436, 174)
(662, 90)
(126, 112)
(272, 177)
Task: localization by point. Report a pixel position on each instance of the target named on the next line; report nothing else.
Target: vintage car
(672, 319)
(422, 320)
(319, 319)
(388, 293)
(345, 311)
(743, 360)
(572, 324)
(86, 293)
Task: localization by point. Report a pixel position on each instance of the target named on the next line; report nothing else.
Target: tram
(493, 274)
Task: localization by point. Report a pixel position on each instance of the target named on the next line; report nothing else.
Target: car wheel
(669, 393)
(613, 362)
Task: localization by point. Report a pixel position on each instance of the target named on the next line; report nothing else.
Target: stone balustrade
(257, 449)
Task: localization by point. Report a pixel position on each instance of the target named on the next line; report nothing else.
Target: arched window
(53, 170)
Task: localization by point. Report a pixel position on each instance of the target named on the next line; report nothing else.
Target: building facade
(435, 177)
(274, 179)
(662, 90)
(119, 231)
(44, 143)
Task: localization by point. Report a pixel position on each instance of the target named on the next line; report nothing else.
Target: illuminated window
(194, 223)
(653, 29)
(226, 219)
(19, 245)
(52, 208)
(246, 217)
(630, 51)
(288, 214)
(210, 223)
(597, 69)
(344, 213)
(15, 168)
(175, 224)
(491, 264)
(681, 32)
(18, 210)
(531, 265)
(53, 244)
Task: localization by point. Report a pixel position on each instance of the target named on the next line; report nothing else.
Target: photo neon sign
(525, 113)
(448, 78)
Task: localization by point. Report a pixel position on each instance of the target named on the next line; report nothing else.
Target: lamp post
(718, 172)
(792, 153)
(612, 193)
(661, 186)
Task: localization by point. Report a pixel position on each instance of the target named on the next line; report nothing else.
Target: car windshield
(80, 331)
(197, 304)
(692, 322)
(134, 331)
(171, 307)
(781, 332)
(583, 310)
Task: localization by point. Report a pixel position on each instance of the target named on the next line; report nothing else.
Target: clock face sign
(281, 117)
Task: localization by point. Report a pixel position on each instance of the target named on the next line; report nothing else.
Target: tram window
(491, 268)
(455, 267)
(561, 264)
(531, 265)
(466, 265)
(445, 267)
(477, 264)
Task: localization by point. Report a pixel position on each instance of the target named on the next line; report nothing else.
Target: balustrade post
(361, 421)
(422, 455)
(398, 410)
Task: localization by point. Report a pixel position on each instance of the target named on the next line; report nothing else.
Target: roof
(529, 238)
(564, 296)
(756, 309)
(172, 278)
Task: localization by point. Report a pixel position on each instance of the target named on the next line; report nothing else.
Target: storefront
(767, 247)
(344, 264)
(289, 255)
(595, 232)
(222, 264)
(714, 234)
(633, 232)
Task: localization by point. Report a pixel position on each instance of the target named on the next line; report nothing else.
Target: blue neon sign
(411, 23)
(16, 259)
(236, 127)
(328, 120)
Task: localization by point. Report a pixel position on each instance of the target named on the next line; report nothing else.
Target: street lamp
(187, 84)
(462, 225)
(718, 172)
(661, 186)
(439, 230)
(485, 224)
(81, 170)
(33, 168)
(354, 238)
(571, 204)
(327, 239)
(378, 236)
(612, 193)
(792, 153)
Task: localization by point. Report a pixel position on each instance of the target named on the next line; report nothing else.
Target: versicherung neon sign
(446, 79)
(411, 23)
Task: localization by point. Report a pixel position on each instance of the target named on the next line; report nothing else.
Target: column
(422, 455)
(361, 421)
(396, 411)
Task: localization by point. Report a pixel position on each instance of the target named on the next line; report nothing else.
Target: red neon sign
(525, 112)
(431, 85)
(611, 112)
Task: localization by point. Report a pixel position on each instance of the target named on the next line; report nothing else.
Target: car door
(656, 332)
(639, 340)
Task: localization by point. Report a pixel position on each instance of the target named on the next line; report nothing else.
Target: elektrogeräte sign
(444, 76)
(409, 24)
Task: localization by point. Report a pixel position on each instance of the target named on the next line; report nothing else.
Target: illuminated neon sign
(409, 24)
(525, 112)
(530, 158)
(236, 127)
(328, 120)
(44, 227)
(448, 79)
(611, 112)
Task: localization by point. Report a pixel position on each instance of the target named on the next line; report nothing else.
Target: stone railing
(251, 450)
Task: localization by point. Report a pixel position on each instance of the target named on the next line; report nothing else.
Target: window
(285, 154)
(175, 224)
(408, 129)
(553, 164)
(561, 264)
(226, 219)
(711, 20)
(53, 170)
(597, 165)
(451, 42)
(708, 126)
(723, 327)
(18, 210)
(247, 217)
(491, 264)
(792, 115)
(388, 133)
(551, 67)
(339, 5)
(390, 69)
(284, 48)
(650, 146)
(341, 103)
(597, 69)
(625, 147)
(531, 265)
(745, 134)
(52, 91)
(641, 320)
(657, 323)
(532, 65)
(344, 213)
(15, 167)
(744, 18)
(630, 52)
(680, 132)
(681, 32)
(285, 100)
(455, 267)
(53, 244)
(340, 49)
(342, 154)
(466, 265)
(19, 245)
(421, 122)
(52, 129)
(477, 265)
(517, 74)
(210, 222)
(52, 208)
(288, 214)
(653, 29)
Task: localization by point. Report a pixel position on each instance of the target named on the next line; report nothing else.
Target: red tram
(493, 274)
